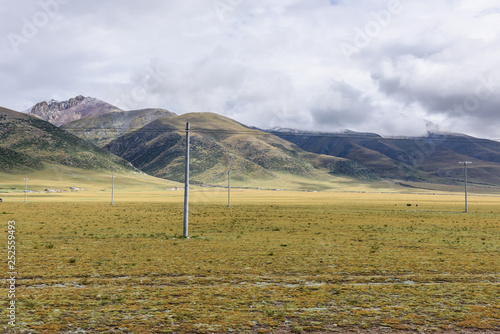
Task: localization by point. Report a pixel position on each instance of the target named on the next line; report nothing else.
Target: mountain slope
(102, 129)
(12, 161)
(423, 159)
(481, 149)
(219, 143)
(59, 113)
(28, 143)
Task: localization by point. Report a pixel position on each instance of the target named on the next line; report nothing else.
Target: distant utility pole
(186, 186)
(25, 188)
(465, 163)
(228, 188)
(112, 188)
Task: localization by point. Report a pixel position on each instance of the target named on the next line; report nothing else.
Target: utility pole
(186, 186)
(112, 188)
(465, 163)
(25, 188)
(228, 188)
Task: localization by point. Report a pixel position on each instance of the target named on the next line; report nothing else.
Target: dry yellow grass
(295, 261)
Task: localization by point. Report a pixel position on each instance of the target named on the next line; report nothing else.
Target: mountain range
(434, 158)
(153, 140)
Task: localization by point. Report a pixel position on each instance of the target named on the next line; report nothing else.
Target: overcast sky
(397, 67)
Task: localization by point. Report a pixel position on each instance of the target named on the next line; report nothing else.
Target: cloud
(459, 88)
(340, 106)
(279, 64)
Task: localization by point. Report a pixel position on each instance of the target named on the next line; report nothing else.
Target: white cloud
(265, 65)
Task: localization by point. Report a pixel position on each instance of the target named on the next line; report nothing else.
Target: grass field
(276, 261)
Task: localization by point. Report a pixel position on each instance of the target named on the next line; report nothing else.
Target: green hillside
(28, 144)
(14, 161)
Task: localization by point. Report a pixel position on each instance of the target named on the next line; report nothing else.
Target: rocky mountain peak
(49, 111)
(62, 112)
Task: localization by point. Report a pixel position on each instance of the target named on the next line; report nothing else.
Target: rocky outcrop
(50, 111)
(59, 113)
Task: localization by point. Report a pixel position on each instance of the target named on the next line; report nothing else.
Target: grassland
(96, 185)
(275, 261)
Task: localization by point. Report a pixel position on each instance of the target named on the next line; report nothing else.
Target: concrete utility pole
(112, 188)
(25, 188)
(465, 163)
(186, 186)
(228, 188)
